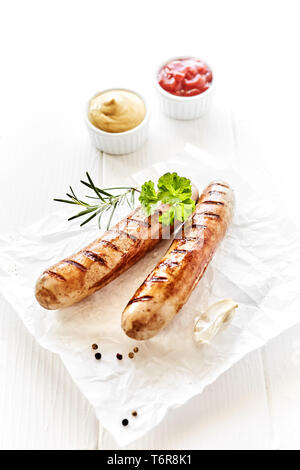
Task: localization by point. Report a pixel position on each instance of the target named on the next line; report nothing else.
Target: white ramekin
(118, 143)
(184, 107)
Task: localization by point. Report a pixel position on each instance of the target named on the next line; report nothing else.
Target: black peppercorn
(98, 356)
(125, 422)
(119, 356)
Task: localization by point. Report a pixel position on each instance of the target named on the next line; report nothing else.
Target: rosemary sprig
(104, 201)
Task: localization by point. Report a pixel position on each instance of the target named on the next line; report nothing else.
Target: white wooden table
(54, 56)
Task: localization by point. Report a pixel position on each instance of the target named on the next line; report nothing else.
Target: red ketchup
(185, 77)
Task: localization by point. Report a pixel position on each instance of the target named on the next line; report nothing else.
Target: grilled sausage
(87, 271)
(170, 284)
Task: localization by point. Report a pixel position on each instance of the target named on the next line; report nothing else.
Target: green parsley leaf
(167, 217)
(174, 190)
(184, 211)
(148, 197)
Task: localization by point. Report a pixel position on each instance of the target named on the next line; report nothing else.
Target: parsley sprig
(174, 190)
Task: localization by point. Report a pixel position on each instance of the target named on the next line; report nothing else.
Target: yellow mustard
(116, 111)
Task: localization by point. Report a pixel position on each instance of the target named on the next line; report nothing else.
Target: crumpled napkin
(257, 265)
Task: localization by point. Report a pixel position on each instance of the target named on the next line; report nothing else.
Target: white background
(54, 55)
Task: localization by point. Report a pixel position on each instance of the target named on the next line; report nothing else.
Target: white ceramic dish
(184, 107)
(119, 142)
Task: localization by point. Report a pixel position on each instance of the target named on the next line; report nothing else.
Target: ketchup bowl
(185, 87)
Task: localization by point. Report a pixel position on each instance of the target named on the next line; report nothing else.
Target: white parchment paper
(257, 266)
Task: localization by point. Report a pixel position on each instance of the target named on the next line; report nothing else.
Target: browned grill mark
(157, 279)
(125, 234)
(144, 223)
(216, 192)
(144, 298)
(189, 239)
(158, 212)
(77, 265)
(216, 203)
(179, 251)
(169, 263)
(56, 275)
(222, 184)
(111, 245)
(199, 226)
(94, 256)
(210, 214)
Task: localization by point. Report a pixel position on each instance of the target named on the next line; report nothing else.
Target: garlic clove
(209, 323)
